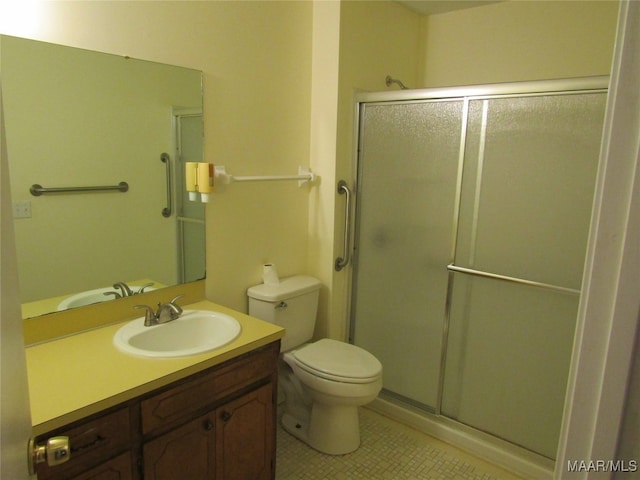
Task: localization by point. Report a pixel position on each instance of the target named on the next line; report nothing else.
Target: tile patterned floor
(388, 451)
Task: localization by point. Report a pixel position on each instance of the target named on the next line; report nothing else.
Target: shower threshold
(488, 447)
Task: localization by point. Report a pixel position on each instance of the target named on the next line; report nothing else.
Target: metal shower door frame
(178, 114)
(466, 94)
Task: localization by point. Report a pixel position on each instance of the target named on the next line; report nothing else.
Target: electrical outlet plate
(22, 209)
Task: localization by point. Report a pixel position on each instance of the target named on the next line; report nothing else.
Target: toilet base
(332, 429)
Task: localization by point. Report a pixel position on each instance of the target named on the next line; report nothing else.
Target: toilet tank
(292, 304)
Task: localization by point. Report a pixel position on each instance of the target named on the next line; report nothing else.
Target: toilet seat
(338, 361)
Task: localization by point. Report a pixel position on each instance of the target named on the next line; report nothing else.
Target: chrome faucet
(169, 311)
(166, 312)
(125, 291)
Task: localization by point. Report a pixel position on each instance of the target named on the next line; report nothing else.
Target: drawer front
(91, 443)
(120, 468)
(186, 399)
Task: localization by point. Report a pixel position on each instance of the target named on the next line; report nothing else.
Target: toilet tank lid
(287, 288)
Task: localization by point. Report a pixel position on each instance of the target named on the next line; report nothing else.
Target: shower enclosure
(472, 217)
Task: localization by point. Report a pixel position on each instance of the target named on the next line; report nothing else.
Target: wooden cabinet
(189, 451)
(244, 440)
(217, 424)
(234, 441)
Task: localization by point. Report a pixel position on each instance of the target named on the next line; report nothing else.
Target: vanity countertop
(78, 375)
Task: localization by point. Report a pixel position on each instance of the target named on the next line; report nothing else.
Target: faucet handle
(150, 318)
(124, 288)
(173, 300)
(169, 311)
(178, 308)
(141, 289)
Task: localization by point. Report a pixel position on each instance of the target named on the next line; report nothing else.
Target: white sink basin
(94, 296)
(196, 331)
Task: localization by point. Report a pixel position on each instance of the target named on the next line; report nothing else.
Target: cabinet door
(246, 437)
(117, 469)
(188, 452)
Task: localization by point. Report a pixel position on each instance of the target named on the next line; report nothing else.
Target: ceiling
(430, 7)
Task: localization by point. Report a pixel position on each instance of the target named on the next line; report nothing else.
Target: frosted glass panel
(508, 360)
(530, 166)
(406, 194)
(191, 228)
(193, 253)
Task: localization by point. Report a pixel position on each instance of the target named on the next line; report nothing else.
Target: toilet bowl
(339, 378)
(325, 382)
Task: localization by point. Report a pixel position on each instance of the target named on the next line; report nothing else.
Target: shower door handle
(343, 261)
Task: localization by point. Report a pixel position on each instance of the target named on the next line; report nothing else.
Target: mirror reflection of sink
(196, 331)
(94, 296)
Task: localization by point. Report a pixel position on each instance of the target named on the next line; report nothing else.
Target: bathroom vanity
(205, 416)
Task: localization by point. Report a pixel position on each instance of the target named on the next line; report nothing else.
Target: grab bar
(164, 158)
(342, 262)
(37, 190)
(521, 281)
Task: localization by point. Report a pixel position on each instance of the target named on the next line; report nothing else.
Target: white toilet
(324, 382)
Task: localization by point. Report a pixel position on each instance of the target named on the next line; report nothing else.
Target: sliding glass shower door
(472, 222)
(526, 197)
(406, 200)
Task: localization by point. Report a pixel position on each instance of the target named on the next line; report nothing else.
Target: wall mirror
(77, 118)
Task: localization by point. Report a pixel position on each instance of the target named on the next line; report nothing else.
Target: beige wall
(519, 41)
(324, 106)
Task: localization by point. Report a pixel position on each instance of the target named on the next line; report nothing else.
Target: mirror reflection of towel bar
(37, 190)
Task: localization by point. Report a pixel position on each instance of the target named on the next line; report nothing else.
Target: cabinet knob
(225, 416)
(208, 424)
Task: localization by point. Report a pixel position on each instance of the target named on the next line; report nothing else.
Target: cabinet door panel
(117, 469)
(246, 436)
(188, 452)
